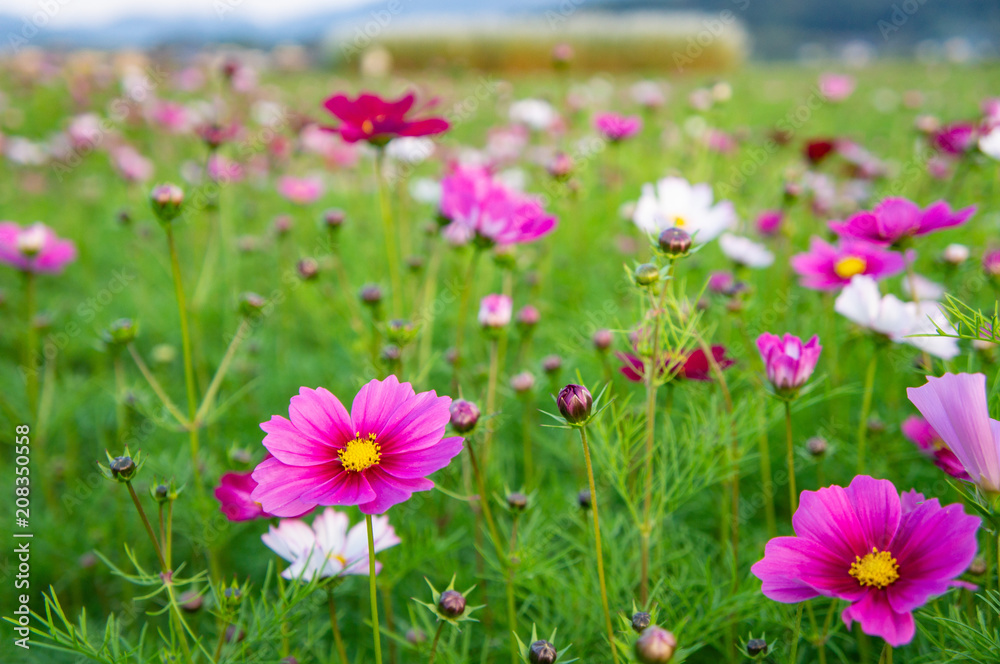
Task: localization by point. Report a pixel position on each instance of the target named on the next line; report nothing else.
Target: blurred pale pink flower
(836, 87)
(495, 311)
(131, 165)
(301, 191)
(35, 248)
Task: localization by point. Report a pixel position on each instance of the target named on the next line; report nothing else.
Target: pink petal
(320, 415)
(412, 465)
(391, 490)
(376, 401)
(279, 487)
(878, 619)
(292, 447)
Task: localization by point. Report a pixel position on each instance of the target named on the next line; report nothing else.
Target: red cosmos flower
(818, 149)
(693, 366)
(373, 119)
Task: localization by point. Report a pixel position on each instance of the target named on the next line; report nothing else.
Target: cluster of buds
(654, 644)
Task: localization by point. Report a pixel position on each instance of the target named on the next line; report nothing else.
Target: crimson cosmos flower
(376, 120)
(694, 366)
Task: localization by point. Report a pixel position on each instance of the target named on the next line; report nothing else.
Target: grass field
(241, 236)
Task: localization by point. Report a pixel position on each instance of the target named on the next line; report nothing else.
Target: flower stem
(793, 494)
(149, 527)
(192, 396)
(372, 590)
(30, 346)
(886, 657)
(526, 429)
(765, 477)
(491, 399)
(484, 503)
(866, 405)
(597, 544)
(463, 312)
(213, 389)
(793, 657)
(121, 413)
(434, 644)
(337, 640)
(392, 253)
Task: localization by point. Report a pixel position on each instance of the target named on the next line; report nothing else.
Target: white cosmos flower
(927, 290)
(410, 149)
(745, 251)
(862, 303)
(425, 190)
(990, 143)
(327, 548)
(674, 202)
(535, 113)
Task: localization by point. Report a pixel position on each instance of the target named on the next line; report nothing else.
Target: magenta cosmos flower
(896, 219)
(922, 434)
(885, 554)
(615, 128)
(483, 209)
(955, 139)
(692, 366)
(374, 457)
(34, 249)
(788, 361)
(233, 494)
(826, 267)
(376, 120)
(955, 406)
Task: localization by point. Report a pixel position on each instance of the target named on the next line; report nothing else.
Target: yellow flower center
(850, 266)
(367, 126)
(878, 569)
(340, 559)
(360, 453)
(680, 222)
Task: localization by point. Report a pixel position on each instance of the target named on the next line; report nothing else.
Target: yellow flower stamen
(878, 569)
(360, 453)
(679, 222)
(367, 126)
(850, 266)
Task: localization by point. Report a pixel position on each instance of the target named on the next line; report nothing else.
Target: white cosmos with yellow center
(675, 202)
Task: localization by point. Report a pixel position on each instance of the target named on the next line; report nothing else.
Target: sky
(75, 13)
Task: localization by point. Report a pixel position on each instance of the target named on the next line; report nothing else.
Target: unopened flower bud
(602, 340)
(756, 647)
(551, 364)
(675, 242)
(166, 200)
(528, 316)
(400, 332)
(121, 332)
(391, 353)
(334, 218)
(978, 566)
(522, 382)
(308, 269)
(955, 254)
(542, 652)
(575, 403)
(251, 304)
(583, 499)
(816, 446)
(234, 634)
(122, 468)
(517, 501)
(655, 645)
(415, 636)
(190, 601)
(646, 274)
(452, 603)
(415, 263)
(561, 166)
(640, 621)
(371, 294)
(464, 415)
(282, 224)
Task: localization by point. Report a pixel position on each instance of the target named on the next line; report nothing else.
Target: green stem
(434, 644)
(372, 590)
(886, 656)
(866, 406)
(491, 399)
(213, 389)
(484, 503)
(337, 640)
(597, 544)
(463, 312)
(158, 389)
(793, 494)
(120, 411)
(765, 477)
(30, 345)
(425, 314)
(192, 396)
(149, 527)
(388, 227)
(792, 659)
(651, 387)
(526, 430)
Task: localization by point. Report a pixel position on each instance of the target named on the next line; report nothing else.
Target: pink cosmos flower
(895, 219)
(836, 87)
(692, 366)
(172, 116)
(221, 169)
(788, 361)
(720, 282)
(374, 457)
(328, 548)
(34, 248)
(376, 120)
(826, 267)
(991, 262)
(301, 191)
(482, 208)
(955, 139)
(495, 311)
(884, 553)
(922, 434)
(769, 222)
(233, 494)
(956, 408)
(615, 128)
(131, 165)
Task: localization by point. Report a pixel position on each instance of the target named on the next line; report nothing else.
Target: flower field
(468, 367)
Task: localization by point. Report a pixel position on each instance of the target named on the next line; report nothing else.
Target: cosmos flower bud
(190, 601)
(978, 566)
(655, 645)
(464, 415)
(282, 225)
(334, 218)
(371, 294)
(400, 332)
(122, 468)
(646, 274)
(415, 263)
(166, 200)
(234, 634)
(675, 242)
(551, 364)
(251, 304)
(415, 636)
(816, 446)
(955, 254)
(756, 647)
(522, 382)
(542, 652)
(583, 499)
(602, 340)
(561, 166)
(121, 332)
(505, 256)
(575, 403)
(991, 263)
(495, 311)
(308, 269)
(452, 603)
(517, 501)
(640, 621)
(391, 353)
(528, 316)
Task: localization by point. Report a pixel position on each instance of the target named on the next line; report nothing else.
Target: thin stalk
(337, 640)
(463, 312)
(765, 478)
(866, 406)
(213, 389)
(526, 430)
(390, 623)
(793, 494)
(373, 590)
(192, 396)
(511, 599)
(121, 412)
(597, 545)
(491, 399)
(793, 658)
(434, 644)
(886, 656)
(158, 389)
(424, 315)
(149, 527)
(388, 227)
(222, 640)
(169, 535)
(30, 345)
(484, 503)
